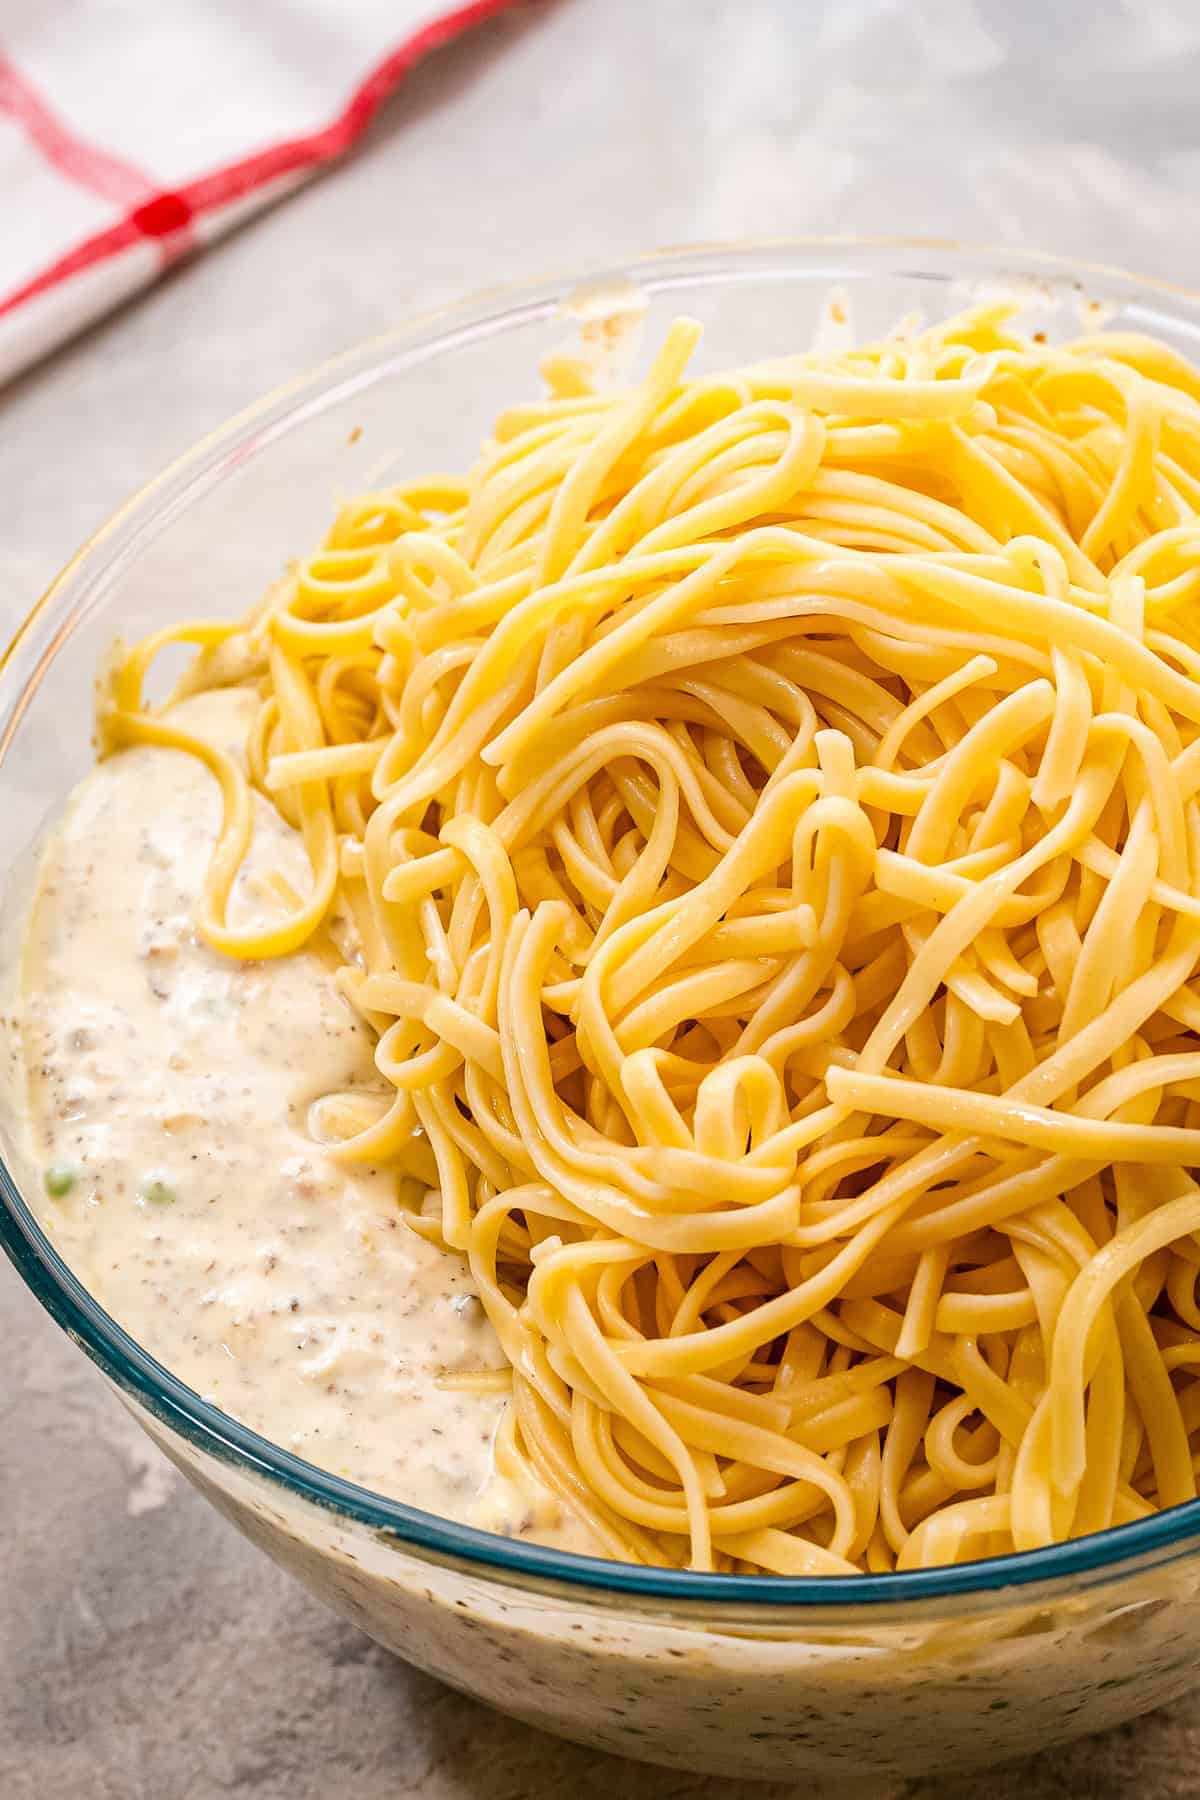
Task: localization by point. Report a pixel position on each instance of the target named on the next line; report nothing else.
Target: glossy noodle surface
(754, 817)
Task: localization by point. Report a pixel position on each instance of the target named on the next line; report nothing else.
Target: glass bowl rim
(426, 335)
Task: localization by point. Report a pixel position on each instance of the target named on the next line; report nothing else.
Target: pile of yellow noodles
(759, 815)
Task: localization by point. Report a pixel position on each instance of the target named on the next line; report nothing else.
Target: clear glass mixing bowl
(891, 1674)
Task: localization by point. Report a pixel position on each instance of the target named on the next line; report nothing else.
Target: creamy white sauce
(288, 1290)
(170, 1088)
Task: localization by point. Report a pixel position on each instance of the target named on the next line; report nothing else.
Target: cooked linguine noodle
(757, 813)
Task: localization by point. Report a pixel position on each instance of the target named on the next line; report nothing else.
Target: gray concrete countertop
(147, 1652)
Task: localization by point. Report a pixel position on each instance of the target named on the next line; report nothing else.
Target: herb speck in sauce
(279, 1283)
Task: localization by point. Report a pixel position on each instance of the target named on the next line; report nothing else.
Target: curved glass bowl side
(265, 477)
(1101, 1557)
(830, 1689)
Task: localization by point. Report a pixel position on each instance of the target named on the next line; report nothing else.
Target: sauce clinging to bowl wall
(169, 1089)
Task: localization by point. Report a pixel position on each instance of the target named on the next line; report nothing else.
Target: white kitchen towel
(132, 131)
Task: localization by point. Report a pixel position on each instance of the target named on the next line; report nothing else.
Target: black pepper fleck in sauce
(176, 1083)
